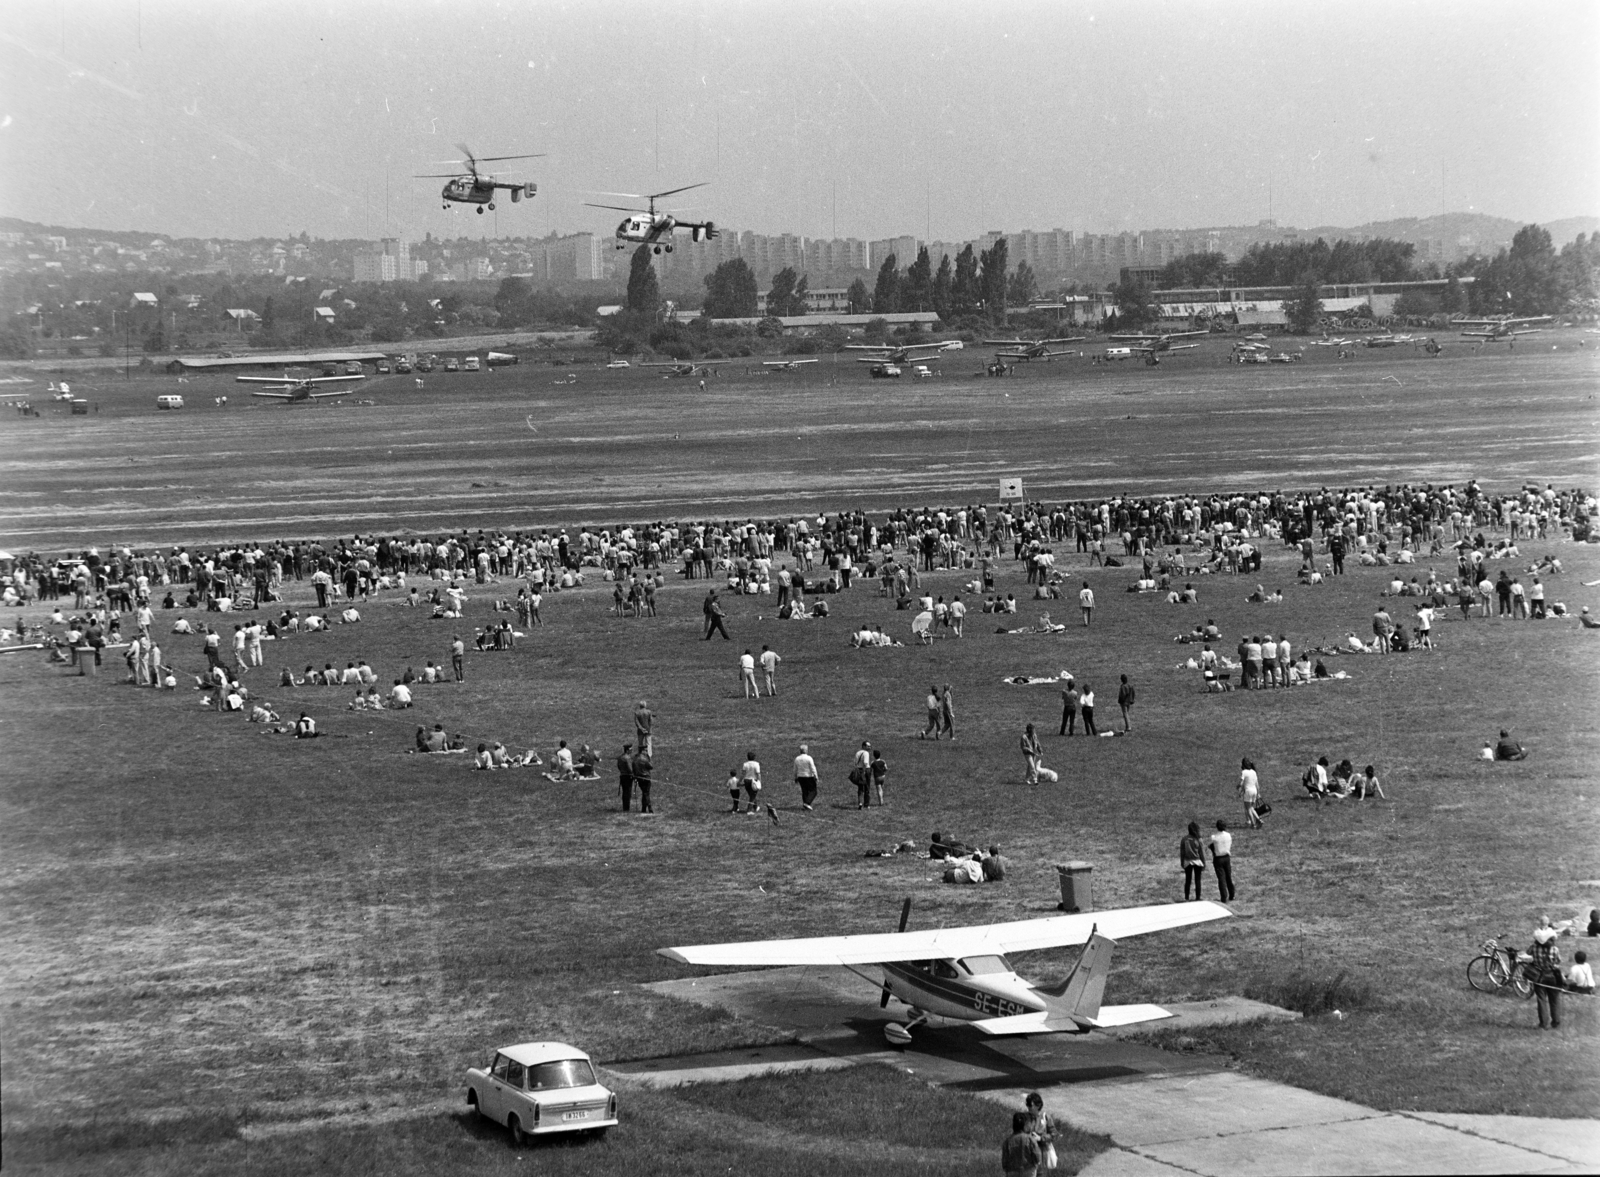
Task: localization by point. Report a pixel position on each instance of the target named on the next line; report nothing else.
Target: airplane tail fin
(1079, 993)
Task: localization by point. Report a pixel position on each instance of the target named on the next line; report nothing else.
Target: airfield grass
(211, 928)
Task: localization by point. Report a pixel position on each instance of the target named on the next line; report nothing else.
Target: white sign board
(1010, 490)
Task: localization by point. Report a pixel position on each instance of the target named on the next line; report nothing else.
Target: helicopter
(478, 188)
(649, 227)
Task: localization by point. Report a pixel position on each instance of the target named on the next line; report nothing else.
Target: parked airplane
(655, 229)
(910, 353)
(1499, 330)
(1164, 342)
(688, 367)
(479, 188)
(298, 388)
(1341, 341)
(963, 973)
(785, 365)
(1390, 340)
(1032, 349)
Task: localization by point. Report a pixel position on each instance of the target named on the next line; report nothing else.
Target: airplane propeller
(905, 918)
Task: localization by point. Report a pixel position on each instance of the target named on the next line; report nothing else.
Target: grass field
(248, 931)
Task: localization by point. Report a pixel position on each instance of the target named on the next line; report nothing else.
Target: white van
(470, 364)
(169, 401)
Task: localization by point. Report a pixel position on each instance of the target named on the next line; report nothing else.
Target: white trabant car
(541, 1088)
(619, 364)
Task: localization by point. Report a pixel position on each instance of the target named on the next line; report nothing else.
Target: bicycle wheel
(1499, 970)
(1480, 973)
(1521, 983)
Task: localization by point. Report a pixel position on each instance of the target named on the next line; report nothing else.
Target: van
(169, 401)
(470, 364)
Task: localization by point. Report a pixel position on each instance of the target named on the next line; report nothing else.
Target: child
(733, 788)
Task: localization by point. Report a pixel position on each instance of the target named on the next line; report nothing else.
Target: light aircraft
(785, 365)
(1341, 341)
(298, 388)
(476, 187)
(963, 973)
(889, 353)
(655, 229)
(1032, 349)
(688, 367)
(1163, 342)
(1499, 330)
(1390, 340)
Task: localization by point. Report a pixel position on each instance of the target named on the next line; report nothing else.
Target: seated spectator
(1509, 749)
(399, 695)
(483, 759)
(994, 866)
(305, 728)
(1580, 977)
(944, 846)
(437, 741)
(287, 679)
(261, 713)
(182, 625)
(422, 739)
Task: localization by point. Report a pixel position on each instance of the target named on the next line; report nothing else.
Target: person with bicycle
(1544, 970)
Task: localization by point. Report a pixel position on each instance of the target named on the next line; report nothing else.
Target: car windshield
(569, 1072)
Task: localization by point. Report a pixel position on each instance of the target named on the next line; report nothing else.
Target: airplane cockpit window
(943, 968)
(978, 965)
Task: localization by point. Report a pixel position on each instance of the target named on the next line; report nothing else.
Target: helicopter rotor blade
(675, 191)
(617, 207)
(500, 158)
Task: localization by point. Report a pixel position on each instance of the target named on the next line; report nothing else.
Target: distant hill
(1472, 232)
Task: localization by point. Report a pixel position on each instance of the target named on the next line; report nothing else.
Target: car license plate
(575, 1116)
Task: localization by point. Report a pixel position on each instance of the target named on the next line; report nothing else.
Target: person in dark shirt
(1509, 749)
(641, 778)
(625, 776)
(1019, 1155)
(994, 866)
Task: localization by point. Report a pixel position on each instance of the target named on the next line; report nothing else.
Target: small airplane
(1285, 357)
(689, 368)
(1341, 341)
(655, 229)
(1164, 342)
(785, 365)
(298, 388)
(1032, 349)
(888, 353)
(476, 187)
(1390, 340)
(1500, 330)
(963, 973)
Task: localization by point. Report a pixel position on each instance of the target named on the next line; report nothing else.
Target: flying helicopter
(479, 187)
(650, 227)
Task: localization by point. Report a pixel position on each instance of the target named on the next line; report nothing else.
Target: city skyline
(829, 120)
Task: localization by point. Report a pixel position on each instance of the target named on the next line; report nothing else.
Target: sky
(936, 119)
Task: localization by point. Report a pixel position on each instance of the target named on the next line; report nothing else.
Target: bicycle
(1497, 966)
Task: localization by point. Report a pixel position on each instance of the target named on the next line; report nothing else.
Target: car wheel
(472, 1102)
(599, 1133)
(518, 1136)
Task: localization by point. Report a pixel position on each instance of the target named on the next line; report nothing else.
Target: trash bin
(1077, 891)
(86, 665)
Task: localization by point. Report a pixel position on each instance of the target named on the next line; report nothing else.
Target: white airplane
(1164, 342)
(963, 974)
(886, 355)
(785, 365)
(1499, 330)
(1032, 349)
(1340, 341)
(688, 367)
(298, 388)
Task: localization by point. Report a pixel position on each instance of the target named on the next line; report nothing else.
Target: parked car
(452, 365)
(619, 364)
(403, 365)
(540, 1089)
(353, 368)
(383, 367)
(471, 364)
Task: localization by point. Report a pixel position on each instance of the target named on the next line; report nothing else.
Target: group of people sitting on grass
(1327, 785)
(965, 864)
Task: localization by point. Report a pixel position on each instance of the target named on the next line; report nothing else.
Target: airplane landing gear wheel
(491, 206)
(480, 210)
(669, 249)
(656, 249)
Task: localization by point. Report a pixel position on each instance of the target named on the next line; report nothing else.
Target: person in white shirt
(750, 779)
(805, 775)
(1222, 860)
(1249, 792)
(769, 667)
(399, 695)
(1580, 976)
(1086, 602)
(747, 676)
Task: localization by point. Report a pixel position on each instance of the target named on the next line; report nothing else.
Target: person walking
(1019, 1155)
(750, 781)
(1222, 860)
(642, 767)
(935, 713)
(1069, 707)
(458, 657)
(947, 713)
(747, 676)
(1192, 858)
(1250, 792)
(861, 775)
(1086, 603)
(1033, 753)
(769, 669)
(880, 773)
(714, 616)
(1086, 709)
(624, 776)
(805, 775)
(1125, 696)
(643, 721)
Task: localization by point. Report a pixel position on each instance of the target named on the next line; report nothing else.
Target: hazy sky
(941, 119)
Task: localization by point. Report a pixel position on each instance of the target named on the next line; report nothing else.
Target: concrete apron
(1166, 1112)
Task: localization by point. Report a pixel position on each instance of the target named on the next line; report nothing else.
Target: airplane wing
(319, 395)
(282, 396)
(785, 363)
(1134, 338)
(867, 347)
(1183, 346)
(951, 943)
(684, 363)
(1068, 339)
(1011, 342)
(1185, 334)
(1049, 1021)
(280, 381)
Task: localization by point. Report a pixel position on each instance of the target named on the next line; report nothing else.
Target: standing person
(1545, 973)
(934, 715)
(880, 772)
(805, 775)
(1070, 697)
(1033, 753)
(1086, 707)
(1250, 792)
(714, 615)
(641, 778)
(1125, 697)
(1019, 1155)
(1222, 860)
(750, 779)
(861, 775)
(1086, 602)
(643, 720)
(1040, 1124)
(947, 713)
(769, 668)
(733, 788)
(624, 776)
(1192, 858)
(747, 676)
